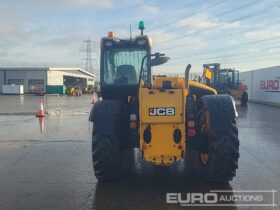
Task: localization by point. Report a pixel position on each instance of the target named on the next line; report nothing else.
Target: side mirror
(158, 60)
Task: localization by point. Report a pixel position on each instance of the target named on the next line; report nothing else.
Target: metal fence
(52, 104)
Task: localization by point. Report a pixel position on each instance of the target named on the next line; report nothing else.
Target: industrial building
(46, 80)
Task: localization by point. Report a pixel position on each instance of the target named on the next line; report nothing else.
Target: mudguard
(222, 111)
(104, 115)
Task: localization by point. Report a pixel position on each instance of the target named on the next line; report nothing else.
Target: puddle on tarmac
(49, 128)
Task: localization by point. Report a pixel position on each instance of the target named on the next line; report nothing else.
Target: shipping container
(12, 89)
(263, 85)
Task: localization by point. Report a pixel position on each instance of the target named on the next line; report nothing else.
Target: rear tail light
(133, 117)
(133, 125)
(180, 146)
(191, 115)
(191, 124)
(133, 122)
(191, 132)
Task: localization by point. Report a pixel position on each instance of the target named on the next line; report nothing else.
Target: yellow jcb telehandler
(162, 116)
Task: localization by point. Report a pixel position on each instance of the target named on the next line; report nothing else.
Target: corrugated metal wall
(26, 76)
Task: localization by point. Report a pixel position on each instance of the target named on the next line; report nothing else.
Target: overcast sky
(241, 34)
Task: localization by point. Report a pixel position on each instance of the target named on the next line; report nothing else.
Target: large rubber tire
(244, 98)
(106, 157)
(223, 155)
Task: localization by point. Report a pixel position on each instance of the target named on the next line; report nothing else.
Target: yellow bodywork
(202, 86)
(208, 74)
(162, 111)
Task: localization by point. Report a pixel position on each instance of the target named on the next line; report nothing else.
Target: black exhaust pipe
(187, 71)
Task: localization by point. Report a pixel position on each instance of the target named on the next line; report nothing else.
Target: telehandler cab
(162, 116)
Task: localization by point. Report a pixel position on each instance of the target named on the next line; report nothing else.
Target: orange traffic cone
(40, 112)
(41, 124)
(94, 99)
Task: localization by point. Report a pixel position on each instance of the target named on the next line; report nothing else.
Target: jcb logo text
(168, 111)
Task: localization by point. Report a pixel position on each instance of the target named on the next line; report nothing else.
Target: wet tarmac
(53, 170)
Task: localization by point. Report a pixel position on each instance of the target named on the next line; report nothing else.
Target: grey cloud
(3, 53)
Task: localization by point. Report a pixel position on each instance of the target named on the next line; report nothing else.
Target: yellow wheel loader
(162, 116)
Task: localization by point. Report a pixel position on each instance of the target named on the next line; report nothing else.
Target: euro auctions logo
(270, 85)
(192, 198)
(255, 198)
